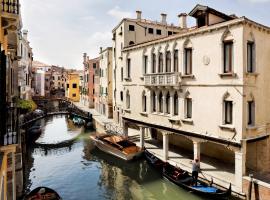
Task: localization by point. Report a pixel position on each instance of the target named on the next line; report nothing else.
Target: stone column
(239, 170)
(142, 133)
(13, 176)
(196, 150)
(165, 146)
(125, 129)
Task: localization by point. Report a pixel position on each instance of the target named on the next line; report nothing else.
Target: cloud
(259, 1)
(117, 13)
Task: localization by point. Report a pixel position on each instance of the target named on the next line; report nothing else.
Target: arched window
(154, 102)
(176, 103)
(153, 63)
(168, 61)
(227, 40)
(168, 103)
(227, 109)
(175, 63)
(144, 102)
(160, 62)
(160, 102)
(187, 57)
(131, 43)
(127, 100)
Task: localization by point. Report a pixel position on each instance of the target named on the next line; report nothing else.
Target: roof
(193, 31)
(198, 8)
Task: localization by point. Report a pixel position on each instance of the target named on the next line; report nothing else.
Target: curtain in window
(188, 108)
(188, 61)
(228, 112)
(228, 46)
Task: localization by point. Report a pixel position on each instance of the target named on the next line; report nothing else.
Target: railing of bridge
(113, 129)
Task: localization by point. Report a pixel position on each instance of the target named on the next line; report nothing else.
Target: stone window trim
(190, 76)
(228, 75)
(144, 114)
(187, 121)
(227, 127)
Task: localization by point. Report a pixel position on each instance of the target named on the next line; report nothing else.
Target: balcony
(170, 79)
(10, 13)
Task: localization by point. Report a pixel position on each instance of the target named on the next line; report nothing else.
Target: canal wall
(259, 190)
(98, 125)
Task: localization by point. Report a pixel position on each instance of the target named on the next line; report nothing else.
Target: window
(160, 101)
(121, 96)
(228, 54)
(144, 102)
(188, 61)
(73, 95)
(201, 21)
(169, 32)
(131, 43)
(131, 28)
(168, 104)
(67, 85)
(175, 63)
(94, 65)
(228, 109)
(154, 102)
(58, 78)
(122, 73)
(145, 62)
(176, 104)
(93, 91)
(74, 85)
(250, 57)
(153, 63)
(158, 31)
(168, 61)
(188, 108)
(127, 100)
(160, 62)
(53, 77)
(128, 67)
(150, 30)
(251, 113)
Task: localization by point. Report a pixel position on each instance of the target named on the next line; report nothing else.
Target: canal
(65, 159)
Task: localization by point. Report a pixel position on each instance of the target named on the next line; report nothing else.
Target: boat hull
(103, 146)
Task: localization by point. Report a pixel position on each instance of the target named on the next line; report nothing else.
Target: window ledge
(187, 121)
(120, 57)
(251, 127)
(228, 127)
(252, 73)
(144, 113)
(127, 110)
(231, 74)
(127, 79)
(188, 76)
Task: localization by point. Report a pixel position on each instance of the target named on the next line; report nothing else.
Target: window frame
(251, 57)
(131, 27)
(151, 31)
(188, 65)
(227, 69)
(188, 108)
(228, 112)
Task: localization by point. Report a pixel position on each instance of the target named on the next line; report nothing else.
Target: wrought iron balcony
(162, 79)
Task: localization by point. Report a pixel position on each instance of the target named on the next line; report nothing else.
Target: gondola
(154, 161)
(183, 179)
(42, 193)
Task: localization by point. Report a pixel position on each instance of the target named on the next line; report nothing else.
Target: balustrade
(11, 6)
(164, 79)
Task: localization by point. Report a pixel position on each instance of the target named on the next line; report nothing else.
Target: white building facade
(204, 90)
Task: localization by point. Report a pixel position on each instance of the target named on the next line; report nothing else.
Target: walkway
(222, 173)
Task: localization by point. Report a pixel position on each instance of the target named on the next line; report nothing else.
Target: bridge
(55, 106)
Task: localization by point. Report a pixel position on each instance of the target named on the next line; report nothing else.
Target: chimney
(139, 14)
(100, 49)
(163, 18)
(182, 20)
(84, 57)
(25, 33)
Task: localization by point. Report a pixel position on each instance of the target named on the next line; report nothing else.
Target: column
(171, 104)
(239, 169)
(196, 150)
(125, 129)
(165, 146)
(142, 133)
(13, 176)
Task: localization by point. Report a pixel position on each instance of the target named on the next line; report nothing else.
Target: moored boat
(118, 146)
(154, 161)
(42, 193)
(183, 179)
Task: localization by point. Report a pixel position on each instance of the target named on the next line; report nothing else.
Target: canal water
(65, 159)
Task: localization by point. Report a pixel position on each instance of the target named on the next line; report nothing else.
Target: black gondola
(183, 179)
(154, 161)
(43, 193)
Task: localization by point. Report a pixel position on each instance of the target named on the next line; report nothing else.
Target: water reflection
(79, 171)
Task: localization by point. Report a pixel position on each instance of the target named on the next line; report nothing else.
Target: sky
(60, 31)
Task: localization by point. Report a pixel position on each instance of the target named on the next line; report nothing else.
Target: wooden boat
(42, 193)
(183, 179)
(154, 161)
(118, 146)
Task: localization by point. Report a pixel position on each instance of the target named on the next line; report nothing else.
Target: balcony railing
(162, 79)
(11, 6)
